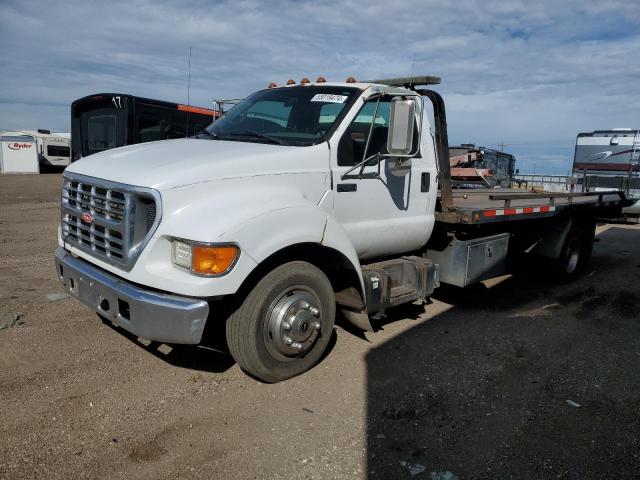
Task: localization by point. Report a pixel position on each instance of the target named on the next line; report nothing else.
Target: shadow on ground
(205, 358)
(212, 355)
(482, 389)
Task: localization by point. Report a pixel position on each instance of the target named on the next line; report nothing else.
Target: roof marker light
(273, 85)
(351, 80)
(321, 80)
(305, 81)
(291, 81)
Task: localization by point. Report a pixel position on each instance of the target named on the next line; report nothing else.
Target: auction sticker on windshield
(328, 98)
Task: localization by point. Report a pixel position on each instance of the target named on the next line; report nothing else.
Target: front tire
(284, 325)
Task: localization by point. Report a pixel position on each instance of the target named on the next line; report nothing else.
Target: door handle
(425, 182)
(347, 187)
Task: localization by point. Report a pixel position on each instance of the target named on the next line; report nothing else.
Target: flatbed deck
(499, 205)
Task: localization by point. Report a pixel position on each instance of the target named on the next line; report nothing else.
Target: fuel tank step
(398, 281)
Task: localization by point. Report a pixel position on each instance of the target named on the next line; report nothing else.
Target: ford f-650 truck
(302, 200)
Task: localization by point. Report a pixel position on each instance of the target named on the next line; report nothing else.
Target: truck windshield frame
(291, 116)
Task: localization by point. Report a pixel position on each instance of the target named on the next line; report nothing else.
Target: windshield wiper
(261, 136)
(211, 135)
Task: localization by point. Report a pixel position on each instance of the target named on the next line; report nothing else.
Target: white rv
(610, 160)
(33, 151)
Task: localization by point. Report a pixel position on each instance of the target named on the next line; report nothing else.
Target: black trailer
(108, 120)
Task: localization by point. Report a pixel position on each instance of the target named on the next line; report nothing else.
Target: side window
(101, 132)
(148, 128)
(58, 151)
(175, 125)
(353, 142)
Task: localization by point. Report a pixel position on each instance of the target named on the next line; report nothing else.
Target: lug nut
(297, 346)
(317, 325)
(305, 305)
(315, 312)
(286, 326)
(288, 340)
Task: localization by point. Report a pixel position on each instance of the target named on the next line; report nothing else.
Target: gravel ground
(477, 384)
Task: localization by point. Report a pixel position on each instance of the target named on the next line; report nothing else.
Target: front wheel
(285, 323)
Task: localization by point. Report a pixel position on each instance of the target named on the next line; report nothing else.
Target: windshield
(287, 116)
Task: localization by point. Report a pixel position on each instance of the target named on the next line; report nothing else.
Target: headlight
(204, 259)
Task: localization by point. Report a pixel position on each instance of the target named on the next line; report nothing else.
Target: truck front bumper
(146, 313)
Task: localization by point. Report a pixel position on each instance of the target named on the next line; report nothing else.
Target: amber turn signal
(213, 260)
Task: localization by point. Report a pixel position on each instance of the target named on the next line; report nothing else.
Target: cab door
(383, 213)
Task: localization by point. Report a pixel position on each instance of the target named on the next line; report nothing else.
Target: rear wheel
(285, 323)
(576, 252)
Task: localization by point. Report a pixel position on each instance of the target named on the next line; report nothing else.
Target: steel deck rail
(486, 206)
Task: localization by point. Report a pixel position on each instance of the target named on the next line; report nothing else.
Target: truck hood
(173, 163)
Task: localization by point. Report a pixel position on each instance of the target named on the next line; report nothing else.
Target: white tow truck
(301, 200)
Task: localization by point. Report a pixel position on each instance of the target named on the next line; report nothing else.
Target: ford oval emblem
(87, 217)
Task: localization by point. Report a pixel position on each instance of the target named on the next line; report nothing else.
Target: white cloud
(520, 72)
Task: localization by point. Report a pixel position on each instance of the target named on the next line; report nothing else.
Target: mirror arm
(373, 121)
(362, 164)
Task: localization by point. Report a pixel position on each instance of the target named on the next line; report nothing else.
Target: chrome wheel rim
(293, 323)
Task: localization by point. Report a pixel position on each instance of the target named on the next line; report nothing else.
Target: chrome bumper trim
(146, 313)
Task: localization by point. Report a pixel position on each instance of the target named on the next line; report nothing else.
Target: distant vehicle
(33, 151)
(109, 120)
(610, 160)
(473, 166)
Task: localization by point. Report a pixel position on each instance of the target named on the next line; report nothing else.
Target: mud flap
(358, 319)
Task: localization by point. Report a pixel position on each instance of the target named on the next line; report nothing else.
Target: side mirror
(401, 127)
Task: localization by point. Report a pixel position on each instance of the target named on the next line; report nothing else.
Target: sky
(526, 74)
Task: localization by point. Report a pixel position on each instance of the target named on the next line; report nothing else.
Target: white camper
(33, 151)
(610, 160)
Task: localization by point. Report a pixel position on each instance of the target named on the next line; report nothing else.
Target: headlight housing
(204, 259)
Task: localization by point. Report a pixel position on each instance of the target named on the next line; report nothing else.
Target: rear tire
(576, 252)
(284, 325)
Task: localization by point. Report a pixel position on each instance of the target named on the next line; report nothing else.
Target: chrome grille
(111, 221)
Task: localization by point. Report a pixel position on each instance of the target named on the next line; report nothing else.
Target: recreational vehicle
(610, 160)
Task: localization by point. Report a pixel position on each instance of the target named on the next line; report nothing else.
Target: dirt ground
(518, 378)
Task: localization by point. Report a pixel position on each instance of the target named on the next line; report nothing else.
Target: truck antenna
(186, 133)
(189, 78)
